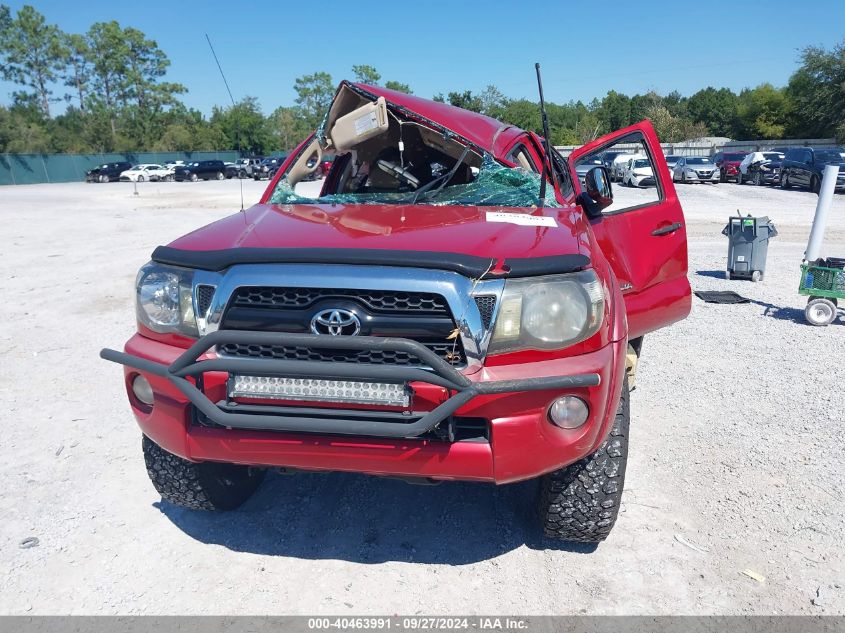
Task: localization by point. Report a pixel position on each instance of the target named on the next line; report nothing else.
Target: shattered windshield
(493, 185)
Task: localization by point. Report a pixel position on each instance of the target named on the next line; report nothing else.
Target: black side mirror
(597, 186)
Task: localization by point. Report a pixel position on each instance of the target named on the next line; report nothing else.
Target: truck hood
(468, 230)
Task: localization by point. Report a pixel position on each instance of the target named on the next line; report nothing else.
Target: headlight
(164, 300)
(691, 172)
(548, 313)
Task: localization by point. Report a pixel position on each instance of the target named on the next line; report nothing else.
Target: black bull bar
(331, 421)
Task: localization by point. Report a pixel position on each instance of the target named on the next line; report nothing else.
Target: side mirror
(597, 186)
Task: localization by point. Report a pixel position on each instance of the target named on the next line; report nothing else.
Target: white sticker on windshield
(523, 219)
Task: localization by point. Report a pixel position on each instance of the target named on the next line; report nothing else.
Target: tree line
(111, 80)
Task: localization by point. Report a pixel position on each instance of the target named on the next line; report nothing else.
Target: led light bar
(310, 389)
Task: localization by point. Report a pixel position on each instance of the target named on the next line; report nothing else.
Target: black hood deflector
(467, 265)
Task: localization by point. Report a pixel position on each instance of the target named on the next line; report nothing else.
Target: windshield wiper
(442, 180)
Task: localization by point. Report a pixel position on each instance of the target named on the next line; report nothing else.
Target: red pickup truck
(427, 315)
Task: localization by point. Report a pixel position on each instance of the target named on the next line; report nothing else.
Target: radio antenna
(234, 109)
(547, 163)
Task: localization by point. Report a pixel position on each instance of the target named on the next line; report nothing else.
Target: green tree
(366, 74)
(717, 109)
(243, 125)
(33, 52)
(492, 100)
(77, 71)
(288, 126)
(314, 95)
(398, 87)
(762, 112)
(465, 100)
(615, 111)
(817, 93)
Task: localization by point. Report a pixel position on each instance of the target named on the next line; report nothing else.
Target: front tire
(194, 178)
(580, 503)
(815, 184)
(199, 486)
(220, 175)
(784, 181)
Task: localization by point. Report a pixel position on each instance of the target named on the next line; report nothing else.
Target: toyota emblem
(336, 322)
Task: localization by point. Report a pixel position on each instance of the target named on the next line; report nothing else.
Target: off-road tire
(199, 486)
(580, 503)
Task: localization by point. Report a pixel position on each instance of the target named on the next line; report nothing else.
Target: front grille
(451, 352)
(384, 301)
(486, 305)
(419, 316)
(204, 296)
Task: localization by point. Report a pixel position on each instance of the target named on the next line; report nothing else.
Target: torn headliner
(478, 129)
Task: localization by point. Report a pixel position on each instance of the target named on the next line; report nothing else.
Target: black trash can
(748, 245)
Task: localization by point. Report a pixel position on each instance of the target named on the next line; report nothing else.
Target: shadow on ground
(372, 520)
(715, 274)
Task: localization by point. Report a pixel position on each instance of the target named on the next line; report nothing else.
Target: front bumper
(521, 443)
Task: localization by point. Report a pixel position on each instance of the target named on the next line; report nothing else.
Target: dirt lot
(737, 440)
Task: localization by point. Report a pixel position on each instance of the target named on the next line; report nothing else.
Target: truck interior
(386, 155)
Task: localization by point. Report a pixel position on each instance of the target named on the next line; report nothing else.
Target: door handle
(665, 230)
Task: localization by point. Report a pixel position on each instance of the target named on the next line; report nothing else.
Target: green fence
(30, 169)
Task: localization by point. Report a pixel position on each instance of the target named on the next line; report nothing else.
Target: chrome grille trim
(458, 291)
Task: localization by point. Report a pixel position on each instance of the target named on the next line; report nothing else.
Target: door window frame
(641, 138)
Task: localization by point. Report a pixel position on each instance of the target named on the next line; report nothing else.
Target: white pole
(814, 244)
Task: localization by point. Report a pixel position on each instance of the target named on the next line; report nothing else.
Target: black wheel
(194, 178)
(241, 173)
(580, 502)
(756, 276)
(220, 175)
(820, 311)
(758, 179)
(722, 176)
(784, 181)
(140, 178)
(815, 184)
(683, 178)
(202, 486)
(738, 177)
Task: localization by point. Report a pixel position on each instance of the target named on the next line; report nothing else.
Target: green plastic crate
(819, 281)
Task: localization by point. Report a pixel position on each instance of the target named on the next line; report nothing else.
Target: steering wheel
(398, 172)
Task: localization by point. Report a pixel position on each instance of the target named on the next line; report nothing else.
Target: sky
(585, 48)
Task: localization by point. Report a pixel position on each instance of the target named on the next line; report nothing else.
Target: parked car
(146, 171)
(728, 164)
(761, 168)
(201, 170)
(804, 167)
(638, 172)
(617, 167)
(582, 168)
(245, 166)
(607, 157)
(267, 167)
(695, 169)
(430, 319)
(107, 172)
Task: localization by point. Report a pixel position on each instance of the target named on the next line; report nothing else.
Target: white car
(146, 171)
(638, 172)
(695, 169)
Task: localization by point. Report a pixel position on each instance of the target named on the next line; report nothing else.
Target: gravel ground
(737, 443)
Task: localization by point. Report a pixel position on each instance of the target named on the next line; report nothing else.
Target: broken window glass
(494, 184)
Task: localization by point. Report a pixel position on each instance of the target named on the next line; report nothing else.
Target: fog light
(143, 390)
(569, 412)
